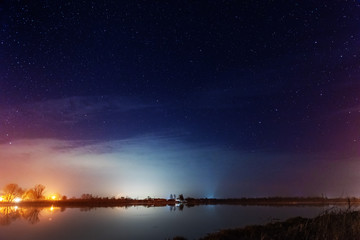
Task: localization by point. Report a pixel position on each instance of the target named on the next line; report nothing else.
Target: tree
(28, 195)
(181, 197)
(35, 193)
(87, 196)
(12, 191)
(38, 191)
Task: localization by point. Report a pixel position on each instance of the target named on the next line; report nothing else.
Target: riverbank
(188, 202)
(329, 225)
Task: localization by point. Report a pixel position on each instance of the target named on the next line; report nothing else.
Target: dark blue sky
(213, 98)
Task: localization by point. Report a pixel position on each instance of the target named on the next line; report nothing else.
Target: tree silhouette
(87, 196)
(29, 194)
(12, 191)
(38, 191)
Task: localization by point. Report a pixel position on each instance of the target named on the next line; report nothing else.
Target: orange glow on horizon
(54, 197)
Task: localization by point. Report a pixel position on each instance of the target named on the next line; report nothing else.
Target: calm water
(136, 222)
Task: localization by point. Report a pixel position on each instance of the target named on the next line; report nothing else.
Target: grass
(333, 224)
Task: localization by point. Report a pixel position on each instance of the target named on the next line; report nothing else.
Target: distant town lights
(17, 199)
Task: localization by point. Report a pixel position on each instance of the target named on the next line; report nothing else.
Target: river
(138, 222)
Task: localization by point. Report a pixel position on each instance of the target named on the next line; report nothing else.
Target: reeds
(334, 224)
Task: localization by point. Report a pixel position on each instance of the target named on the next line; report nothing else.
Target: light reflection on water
(139, 222)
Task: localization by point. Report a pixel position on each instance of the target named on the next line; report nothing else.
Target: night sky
(205, 98)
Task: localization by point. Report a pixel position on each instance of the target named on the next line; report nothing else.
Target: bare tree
(87, 196)
(35, 193)
(12, 191)
(29, 194)
(38, 191)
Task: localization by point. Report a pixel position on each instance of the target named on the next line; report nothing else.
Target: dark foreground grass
(329, 225)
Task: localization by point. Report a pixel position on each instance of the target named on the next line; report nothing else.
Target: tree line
(12, 191)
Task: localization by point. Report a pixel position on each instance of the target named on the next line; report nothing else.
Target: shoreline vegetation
(333, 224)
(13, 195)
(188, 202)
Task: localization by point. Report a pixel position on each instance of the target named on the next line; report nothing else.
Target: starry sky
(205, 98)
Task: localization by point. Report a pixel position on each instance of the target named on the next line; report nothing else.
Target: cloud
(67, 116)
(138, 167)
(74, 109)
(157, 165)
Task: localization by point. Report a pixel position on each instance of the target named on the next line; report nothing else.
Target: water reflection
(32, 215)
(136, 222)
(179, 207)
(8, 215)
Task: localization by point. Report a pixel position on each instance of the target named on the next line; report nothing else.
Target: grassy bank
(330, 225)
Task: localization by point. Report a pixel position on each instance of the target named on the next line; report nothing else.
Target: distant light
(1, 199)
(53, 197)
(17, 199)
